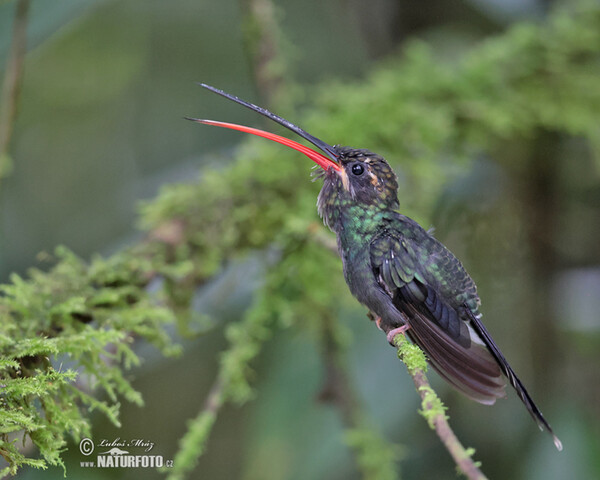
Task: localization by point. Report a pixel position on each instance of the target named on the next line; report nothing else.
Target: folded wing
(439, 325)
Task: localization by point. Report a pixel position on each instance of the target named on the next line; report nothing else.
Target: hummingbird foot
(395, 331)
(390, 333)
(375, 318)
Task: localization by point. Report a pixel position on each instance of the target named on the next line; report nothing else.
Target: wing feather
(436, 324)
(438, 299)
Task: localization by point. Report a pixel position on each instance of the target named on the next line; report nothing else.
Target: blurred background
(100, 127)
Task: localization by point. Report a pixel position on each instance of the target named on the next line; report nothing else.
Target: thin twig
(262, 39)
(193, 443)
(434, 410)
(13, 78)
(375, 457)
(215, 397)
(337, 388)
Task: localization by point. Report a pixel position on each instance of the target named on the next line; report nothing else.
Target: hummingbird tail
(532, 408)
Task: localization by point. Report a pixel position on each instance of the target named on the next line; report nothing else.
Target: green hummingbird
(408, 280)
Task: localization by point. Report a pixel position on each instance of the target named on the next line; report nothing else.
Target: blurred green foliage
(68, 330)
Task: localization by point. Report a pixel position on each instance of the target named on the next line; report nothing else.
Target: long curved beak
(320, 159)
(325, 162)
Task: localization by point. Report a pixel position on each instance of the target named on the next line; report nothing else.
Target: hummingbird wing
(438, 298)
(429, 286)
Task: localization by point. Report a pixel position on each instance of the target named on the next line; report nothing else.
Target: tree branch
(193, 443)
(12, 82)
(375, 457)
(246, 338)
(261, 39)
(434, 410)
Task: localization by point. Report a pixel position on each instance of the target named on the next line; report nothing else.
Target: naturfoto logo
(118, 453)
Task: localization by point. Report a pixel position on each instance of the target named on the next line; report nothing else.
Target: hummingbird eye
(357, 169)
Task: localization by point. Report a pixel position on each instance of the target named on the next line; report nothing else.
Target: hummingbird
(409, 281)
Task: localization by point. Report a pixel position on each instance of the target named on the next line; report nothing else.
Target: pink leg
(392, 333)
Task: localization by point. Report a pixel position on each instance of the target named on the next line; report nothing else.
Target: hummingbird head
(364, 178)
(350, 176)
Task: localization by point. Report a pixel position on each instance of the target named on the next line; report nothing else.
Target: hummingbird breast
(354, 239)
(364, 286)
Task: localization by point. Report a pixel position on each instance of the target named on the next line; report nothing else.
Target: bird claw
(375, 318)
(392, 333)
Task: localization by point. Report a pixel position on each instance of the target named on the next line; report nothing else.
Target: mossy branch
(193, 444)
(434, 410)
(375, 457)
(231, 385)
(87, 316)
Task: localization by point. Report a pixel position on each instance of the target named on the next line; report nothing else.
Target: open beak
(325, 162)
(320, 159)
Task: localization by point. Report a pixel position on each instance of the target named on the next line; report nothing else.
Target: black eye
(357, 169)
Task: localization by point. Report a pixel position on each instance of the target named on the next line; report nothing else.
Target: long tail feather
(513, 379)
